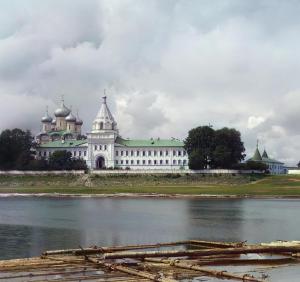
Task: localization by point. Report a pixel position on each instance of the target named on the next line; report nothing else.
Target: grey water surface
(30, 225)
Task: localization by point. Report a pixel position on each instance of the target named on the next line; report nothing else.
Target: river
(30, 225)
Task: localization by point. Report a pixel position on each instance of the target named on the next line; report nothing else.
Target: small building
(274, 166)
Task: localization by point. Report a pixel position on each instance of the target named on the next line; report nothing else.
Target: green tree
(15, 149)
(60, 160)
(229, 149)
(200, 146)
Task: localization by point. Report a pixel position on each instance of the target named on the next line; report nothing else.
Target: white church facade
(104, 147)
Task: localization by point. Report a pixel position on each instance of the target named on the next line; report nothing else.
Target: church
(104, 147)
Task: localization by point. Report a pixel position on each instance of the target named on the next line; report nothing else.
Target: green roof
(256, 156)
(268, 160)
(265, 155)
(150, 142)
(65, 144)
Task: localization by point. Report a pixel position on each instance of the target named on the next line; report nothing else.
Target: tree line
(17, 152)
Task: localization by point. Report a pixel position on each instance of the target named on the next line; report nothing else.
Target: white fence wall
(146, 171)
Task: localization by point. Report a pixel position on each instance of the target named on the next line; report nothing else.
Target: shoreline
(147, 195)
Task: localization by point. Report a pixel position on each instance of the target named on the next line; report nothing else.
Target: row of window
(150, 162)
(149, 153)
(100, 147)
(74, 153)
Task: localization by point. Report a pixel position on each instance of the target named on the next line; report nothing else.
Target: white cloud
(168, 65)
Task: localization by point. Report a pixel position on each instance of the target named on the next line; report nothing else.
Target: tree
(229, 148)
(209, 148)
(200, 146)
(15, 148)
(62, 160)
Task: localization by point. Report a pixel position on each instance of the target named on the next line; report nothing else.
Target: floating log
(97, 250)
(216, 244)
(216, 251)
(211, 272)
(131, 271)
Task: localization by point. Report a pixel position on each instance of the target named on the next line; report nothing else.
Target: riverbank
(179, 185)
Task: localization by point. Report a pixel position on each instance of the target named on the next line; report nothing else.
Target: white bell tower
(102, 138)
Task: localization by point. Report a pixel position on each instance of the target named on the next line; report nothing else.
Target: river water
(30, 225)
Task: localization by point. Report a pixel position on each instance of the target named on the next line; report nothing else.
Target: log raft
(161, 262)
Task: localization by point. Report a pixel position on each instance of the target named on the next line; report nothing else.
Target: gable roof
(257, 156)
(149, 142)
(65, 144)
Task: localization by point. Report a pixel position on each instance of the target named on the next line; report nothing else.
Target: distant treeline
(17, 152)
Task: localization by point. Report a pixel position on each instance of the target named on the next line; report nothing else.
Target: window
(131, 162)
(155, 153)
(144, 162)
(131, 153)
(105, 147)
(45, 153)
(117, 153)
(74, 153)
(79, 153)
(144, 153)
(138, 162)
(137, 153)
(184, 162)
(174, 162)
(167, 161)
(174, 153)
(167, 153)
(155, 162)
(161, 162)
(100, 147)
(121, 153)
(184, 153)
(149, 162)
(95, 147)
(126, 161)
(149, 153)
(160, 153)
(84, 153)
(121, 161)
(101, 125)
(116, 162)
(179, 153)
(179, 162)
(126, 153)
(40, 153)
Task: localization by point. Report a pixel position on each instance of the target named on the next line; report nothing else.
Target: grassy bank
(253, 185)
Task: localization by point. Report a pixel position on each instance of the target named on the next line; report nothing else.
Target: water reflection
(30, 225)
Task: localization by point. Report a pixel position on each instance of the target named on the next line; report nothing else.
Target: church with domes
(104, 147)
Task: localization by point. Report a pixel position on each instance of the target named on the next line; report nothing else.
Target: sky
(167, 66)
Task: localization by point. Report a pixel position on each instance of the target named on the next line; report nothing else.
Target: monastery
(104, 147)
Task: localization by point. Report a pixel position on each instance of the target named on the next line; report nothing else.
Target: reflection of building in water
(104, 147)
(274, 166)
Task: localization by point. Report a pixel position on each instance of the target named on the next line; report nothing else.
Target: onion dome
(71, 118)
(78, 120)
(46, 118)
(62, 111)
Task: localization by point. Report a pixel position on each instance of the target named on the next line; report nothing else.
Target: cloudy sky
(167, 65)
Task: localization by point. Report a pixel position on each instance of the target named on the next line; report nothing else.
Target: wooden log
(131, 271)
(96, 250)
(210, 272)
(216, 251)
(216, 244)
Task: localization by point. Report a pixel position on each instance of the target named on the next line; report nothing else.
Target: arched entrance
(100, 163)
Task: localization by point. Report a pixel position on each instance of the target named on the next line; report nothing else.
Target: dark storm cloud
(167, 65)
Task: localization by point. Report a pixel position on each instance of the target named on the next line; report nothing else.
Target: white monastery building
(104, 147)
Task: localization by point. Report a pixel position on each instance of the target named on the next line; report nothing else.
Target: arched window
(101, 125)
